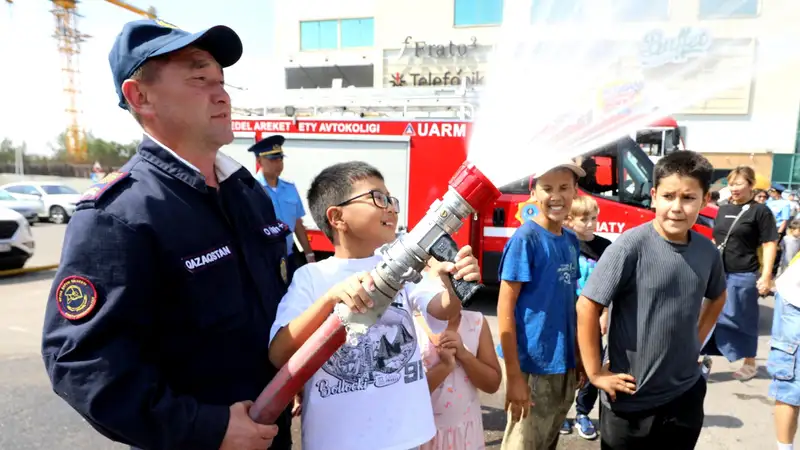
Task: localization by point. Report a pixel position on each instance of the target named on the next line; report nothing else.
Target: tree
(108, 153)
(8, 151)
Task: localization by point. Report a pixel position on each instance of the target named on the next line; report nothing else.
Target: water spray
(403, 261)
(567, 78)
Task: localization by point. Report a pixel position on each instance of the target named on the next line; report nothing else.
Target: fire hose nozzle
(473, 186)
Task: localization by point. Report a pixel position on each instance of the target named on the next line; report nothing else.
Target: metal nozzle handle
(445, 249)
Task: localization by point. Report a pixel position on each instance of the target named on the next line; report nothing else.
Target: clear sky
(32, 102)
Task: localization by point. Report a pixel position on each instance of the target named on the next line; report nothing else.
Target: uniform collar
(167, 160)
(263, 181)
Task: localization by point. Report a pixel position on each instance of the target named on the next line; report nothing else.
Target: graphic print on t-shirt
(566, 271)
(381, 357)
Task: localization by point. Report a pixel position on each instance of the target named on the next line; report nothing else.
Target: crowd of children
(413, 380)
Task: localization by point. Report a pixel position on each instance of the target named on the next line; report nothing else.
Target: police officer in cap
(285, 198)
(156, 327)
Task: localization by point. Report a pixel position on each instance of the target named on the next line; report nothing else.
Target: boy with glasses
(372, 394)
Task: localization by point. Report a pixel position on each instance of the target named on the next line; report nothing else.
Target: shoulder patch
(76, 297)
(94, 192)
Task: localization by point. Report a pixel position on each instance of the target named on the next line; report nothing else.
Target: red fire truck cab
(419, 156)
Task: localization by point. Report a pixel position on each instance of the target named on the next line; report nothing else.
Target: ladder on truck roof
(433, 102)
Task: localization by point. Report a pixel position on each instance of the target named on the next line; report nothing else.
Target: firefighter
(173, 267)
(285, 198)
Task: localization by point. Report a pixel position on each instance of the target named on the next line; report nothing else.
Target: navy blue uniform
(159, 316)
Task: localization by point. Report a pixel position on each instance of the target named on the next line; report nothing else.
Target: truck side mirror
(676, 137)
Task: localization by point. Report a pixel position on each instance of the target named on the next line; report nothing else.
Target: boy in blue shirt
(536, 315)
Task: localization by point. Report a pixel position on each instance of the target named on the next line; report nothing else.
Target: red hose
(290, 380)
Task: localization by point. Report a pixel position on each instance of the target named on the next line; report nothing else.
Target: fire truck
(418, 155)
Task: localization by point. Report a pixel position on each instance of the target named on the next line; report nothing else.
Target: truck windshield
(657, 142)
(620, 171)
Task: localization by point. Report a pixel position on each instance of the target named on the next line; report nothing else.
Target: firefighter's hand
(243, 433)
(464, 267)
(351, 292)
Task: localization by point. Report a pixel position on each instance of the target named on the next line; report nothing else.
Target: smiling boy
(371, 394)
(656, 275)
(536, 315)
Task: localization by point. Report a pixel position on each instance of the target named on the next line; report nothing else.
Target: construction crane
(69, 45)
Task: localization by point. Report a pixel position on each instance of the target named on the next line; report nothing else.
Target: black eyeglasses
(380, 200)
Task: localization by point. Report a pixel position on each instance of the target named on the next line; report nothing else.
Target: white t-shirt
(372, 396)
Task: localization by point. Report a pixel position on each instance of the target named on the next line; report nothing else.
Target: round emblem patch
(527, 210)
(284, 271)
(76, 297)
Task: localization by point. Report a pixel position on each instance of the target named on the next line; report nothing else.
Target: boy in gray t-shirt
(656, 276)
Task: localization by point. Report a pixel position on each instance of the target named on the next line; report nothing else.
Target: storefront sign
(449, 50)
(422, 64)
(442, 79)
(657, 49)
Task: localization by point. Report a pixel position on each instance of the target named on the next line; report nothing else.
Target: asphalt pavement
(738, 415)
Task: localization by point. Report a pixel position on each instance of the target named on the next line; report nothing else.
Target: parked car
(16, 240)
(59, 199)
(30, 209)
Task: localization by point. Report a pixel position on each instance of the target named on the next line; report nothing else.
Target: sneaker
(566, 428)
(585, 427)
(706, 366)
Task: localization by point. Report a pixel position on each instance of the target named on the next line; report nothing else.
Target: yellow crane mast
(69, 45)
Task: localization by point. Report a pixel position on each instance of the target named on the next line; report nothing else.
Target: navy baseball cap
(141, 40)
(270, 147)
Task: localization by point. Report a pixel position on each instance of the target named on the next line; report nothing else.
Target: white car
(16, 240)
(31, 209)
(59, 199)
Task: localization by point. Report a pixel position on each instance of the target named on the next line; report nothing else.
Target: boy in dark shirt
(656, 276)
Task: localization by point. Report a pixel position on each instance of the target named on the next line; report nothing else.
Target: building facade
(418, 43)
